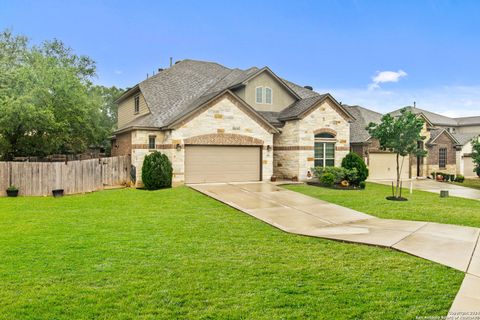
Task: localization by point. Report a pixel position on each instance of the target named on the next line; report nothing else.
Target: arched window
(324, 151)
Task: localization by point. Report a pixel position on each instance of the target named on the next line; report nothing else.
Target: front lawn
(131, 254)
(422, 206)
(469, 183)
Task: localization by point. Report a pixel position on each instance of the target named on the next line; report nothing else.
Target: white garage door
(468, 167)
(383, 166)
(221, 164)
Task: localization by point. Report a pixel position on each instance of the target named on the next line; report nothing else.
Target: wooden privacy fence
(40, 178)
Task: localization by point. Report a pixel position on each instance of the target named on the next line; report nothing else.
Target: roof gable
(267, 70)
(209, 100)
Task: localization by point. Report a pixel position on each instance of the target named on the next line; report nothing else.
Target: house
(448, 143)
(218, 124)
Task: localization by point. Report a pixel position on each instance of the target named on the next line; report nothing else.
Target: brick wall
(122, 145)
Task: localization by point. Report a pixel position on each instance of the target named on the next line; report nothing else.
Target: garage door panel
(221, 164)
(468, 167)
(383, 166)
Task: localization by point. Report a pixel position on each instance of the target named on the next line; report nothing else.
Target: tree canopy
(48, 103)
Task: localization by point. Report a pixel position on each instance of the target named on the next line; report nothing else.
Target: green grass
(422, 206)
(168, 254)
(469, 183)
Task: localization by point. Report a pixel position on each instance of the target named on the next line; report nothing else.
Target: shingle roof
(363, 117)
(464, 138)
(188, 84)
(434, 118)
(466, 121)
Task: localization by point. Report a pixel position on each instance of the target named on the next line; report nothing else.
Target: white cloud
(118, 71)
(386, 76)
(452, 101)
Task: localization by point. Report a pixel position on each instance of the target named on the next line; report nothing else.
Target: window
(442, 158)
(324, 151)
(259, 95)
(151, 142)
(268, 95)
(137, 104)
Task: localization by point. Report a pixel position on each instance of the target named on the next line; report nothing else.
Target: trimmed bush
(354, 161)
(157, 171)
(337, 174)
(327, 179)
(460, 178)
(362, 184)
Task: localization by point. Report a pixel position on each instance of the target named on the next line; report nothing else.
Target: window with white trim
(259, 94)
(442, 158)
(268, 95)
(136, 104)
(324, 150)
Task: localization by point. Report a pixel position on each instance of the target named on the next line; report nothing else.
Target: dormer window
(259, 95)
(263, 95)
(268, 95)
(136, 104)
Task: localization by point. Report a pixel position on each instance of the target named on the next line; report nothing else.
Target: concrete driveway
(453, 246)
(435, 187)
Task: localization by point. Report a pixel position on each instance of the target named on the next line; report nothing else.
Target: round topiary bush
(354, 161)
(327, 179)
(157, 171)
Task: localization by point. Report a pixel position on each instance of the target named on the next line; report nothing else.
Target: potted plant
(12, 191)
(439, 177)
(295, 179)
(273, 178)
(446, 177)
(433, 175)
(57, 193)
(452, 177)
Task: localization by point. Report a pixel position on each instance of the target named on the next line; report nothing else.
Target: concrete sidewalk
(435, 187)
(453, 246)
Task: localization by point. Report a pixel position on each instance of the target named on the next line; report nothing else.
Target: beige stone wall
(299, 137)
(224, 116)
(281, 98)
(126, 110)
(140, 148)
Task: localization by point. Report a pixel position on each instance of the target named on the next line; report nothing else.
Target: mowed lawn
(422, 206)
(470, 183)
(176, 254)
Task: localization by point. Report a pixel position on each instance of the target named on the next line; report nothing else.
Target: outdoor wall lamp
(269, 147)
(178, 147)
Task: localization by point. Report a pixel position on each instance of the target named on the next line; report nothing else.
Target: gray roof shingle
(363, 117)
(180, 89)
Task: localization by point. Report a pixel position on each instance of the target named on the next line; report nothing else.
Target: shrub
(327, 179)
(157, 171)
(354, 161)
(460, 178)
(12, 188)
(338, 174)
(362, 184)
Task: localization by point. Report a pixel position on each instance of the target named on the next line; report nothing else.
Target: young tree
(399, 135)
(476, 155)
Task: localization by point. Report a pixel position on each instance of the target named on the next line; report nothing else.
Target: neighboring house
(218, 124)
(448, 143)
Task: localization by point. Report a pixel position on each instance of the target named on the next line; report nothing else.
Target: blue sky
(379, 54)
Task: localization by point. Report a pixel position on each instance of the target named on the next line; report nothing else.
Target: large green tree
(399, 135)
(476, 155)
(48, 103)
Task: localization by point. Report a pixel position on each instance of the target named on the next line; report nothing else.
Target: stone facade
(432, 161)
(294, 146)
(223, 122)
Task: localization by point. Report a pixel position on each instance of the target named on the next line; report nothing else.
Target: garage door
(221, 164)
(383, 166)
(468, 167)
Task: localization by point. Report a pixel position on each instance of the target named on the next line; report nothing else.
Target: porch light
(178, 147)
(269, 147)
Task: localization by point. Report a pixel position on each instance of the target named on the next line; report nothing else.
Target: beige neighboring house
(448, 143)
(218, 124)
